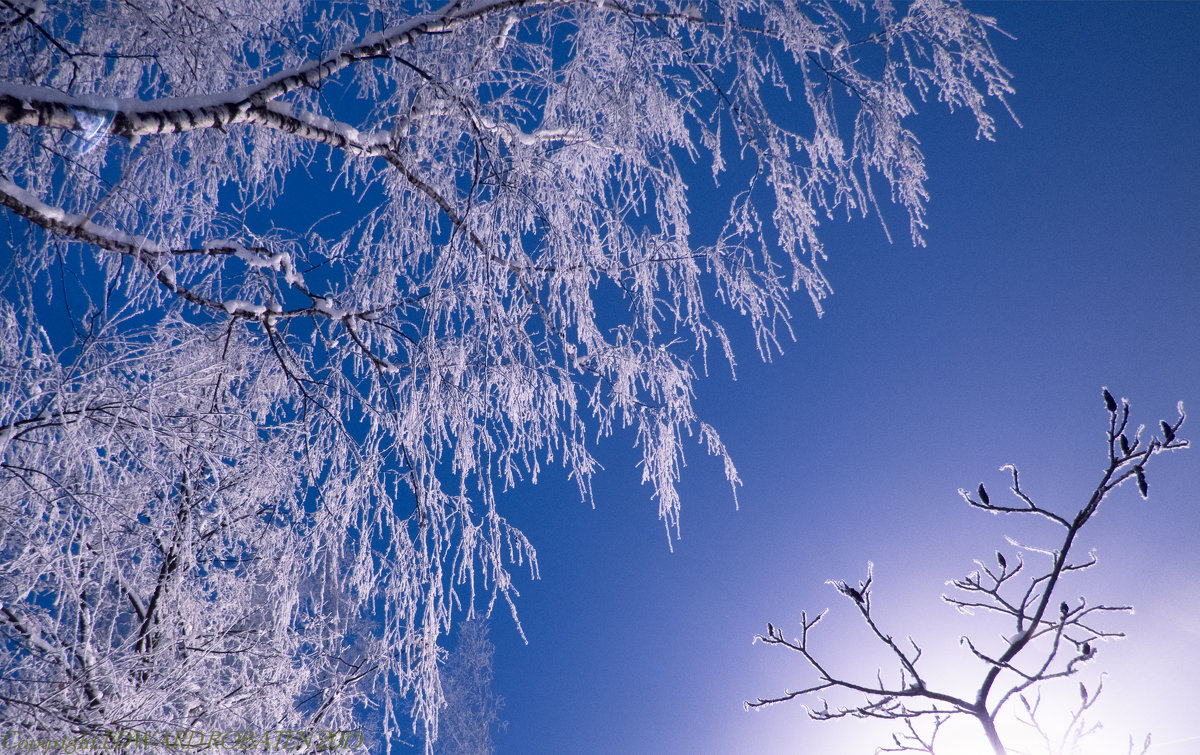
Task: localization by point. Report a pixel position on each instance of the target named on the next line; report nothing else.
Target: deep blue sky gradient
(1061, 258)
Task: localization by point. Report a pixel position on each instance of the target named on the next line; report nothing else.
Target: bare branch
(1046, 644)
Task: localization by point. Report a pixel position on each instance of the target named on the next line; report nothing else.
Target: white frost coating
(327, 307)
(240, 307)
(511, 133)
(517, 221)
(252, 258)
(276, 261)
(34, 10)
(55, 216)
(292, 275)
(509, 22)
(279, 261)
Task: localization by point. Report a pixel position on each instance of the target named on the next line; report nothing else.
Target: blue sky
(1063, 257)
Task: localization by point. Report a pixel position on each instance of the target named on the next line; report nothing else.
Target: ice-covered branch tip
(1030, 600)
(861, 595)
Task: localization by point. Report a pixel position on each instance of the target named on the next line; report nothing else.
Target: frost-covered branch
(1046, 642)
(354, 276)
(39, 106)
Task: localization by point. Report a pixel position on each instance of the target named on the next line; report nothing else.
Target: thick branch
(40, 106)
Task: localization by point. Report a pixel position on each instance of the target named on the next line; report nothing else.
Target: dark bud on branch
(1000, 560)
(1063, 609)
(1124, 444)
(983, 496)
(1168, 431)
(1109, 402)
(1141, 481)
(855, 595)
(1082, 692)
(1086, 650)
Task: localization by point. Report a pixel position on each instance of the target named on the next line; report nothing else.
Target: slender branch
(1070, 632)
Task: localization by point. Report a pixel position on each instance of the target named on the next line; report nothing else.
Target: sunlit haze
(1062, 258)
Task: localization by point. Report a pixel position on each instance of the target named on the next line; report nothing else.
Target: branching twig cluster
(1050, 637)
(413, 254)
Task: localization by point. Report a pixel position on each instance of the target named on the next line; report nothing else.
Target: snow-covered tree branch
(1042, 641)
(297, 288)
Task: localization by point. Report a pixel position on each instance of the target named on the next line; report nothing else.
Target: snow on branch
(40, 106)
(334, 283)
